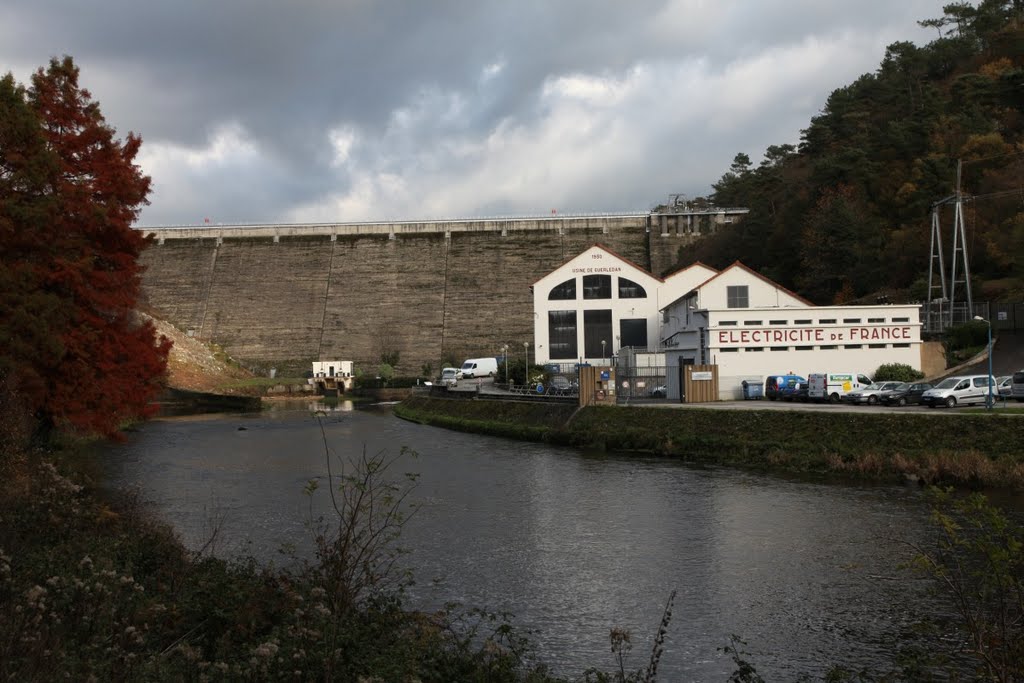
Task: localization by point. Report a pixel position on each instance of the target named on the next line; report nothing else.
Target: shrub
(896, 372)
(970, 335)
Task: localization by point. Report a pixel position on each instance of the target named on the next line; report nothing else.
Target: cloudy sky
(350, 110)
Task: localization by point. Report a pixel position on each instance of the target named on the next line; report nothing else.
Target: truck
(832, 386)
(480, 367)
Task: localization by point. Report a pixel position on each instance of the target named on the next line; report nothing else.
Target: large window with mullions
(562, 335)
(597, 286)
(597, 327)
(564, 291)
(631, 290)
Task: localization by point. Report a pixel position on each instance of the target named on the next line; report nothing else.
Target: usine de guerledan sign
(815, 335)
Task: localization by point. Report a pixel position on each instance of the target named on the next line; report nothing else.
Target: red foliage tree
(79, 353)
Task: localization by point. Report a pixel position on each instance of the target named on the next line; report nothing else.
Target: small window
(755, 348)
(756, 323)
(737, 296)
(901, 320)
(729, 350)
(851, 320)
(853, 346)
(631, 290)
(597, 287)
(804, 348)
(830, 347)
(777, 322)
(901, 346)
(876, 346)
(876, 320)
(827, 321)
(780, 348)
(805, 321)
(564, 291)
(726, 323)
(963, 385)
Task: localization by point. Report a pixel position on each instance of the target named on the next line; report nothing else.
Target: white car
(450, 377)
(870, 394)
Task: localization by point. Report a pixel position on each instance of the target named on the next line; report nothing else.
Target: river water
(570, 543)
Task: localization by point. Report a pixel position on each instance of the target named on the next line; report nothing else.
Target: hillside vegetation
(848, 211)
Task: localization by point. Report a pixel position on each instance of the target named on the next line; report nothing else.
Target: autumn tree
(72, 344)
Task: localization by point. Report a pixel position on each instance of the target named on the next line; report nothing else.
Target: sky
(324, 111)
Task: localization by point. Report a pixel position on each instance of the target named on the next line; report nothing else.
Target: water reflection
(571, 544)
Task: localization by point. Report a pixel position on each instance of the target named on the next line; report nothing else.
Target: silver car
(869, 395)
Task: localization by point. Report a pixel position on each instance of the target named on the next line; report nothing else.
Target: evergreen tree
(69, 192)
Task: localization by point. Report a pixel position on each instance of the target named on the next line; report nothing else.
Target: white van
(480, 367)
(954, 391)
(832, 386)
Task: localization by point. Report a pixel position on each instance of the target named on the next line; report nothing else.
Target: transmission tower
(959, 256)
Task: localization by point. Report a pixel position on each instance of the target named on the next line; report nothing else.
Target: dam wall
(432, 292)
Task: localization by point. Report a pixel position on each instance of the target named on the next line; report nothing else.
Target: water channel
(570, 543)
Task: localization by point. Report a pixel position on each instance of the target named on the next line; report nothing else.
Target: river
(572, 544)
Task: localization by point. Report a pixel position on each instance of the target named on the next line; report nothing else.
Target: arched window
(597, 286)
(564, 291)
(631, 290)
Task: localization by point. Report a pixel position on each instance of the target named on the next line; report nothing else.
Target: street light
(990, 401)
(504, 356)
(526, 371)
(602, 352)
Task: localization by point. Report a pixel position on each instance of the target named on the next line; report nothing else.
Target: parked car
(869, 395)
(560, 384)
(1004, 386)
(450, 377)
(905, 394)
(954, 391)
(658, 392)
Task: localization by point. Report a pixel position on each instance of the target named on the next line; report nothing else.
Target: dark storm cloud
(272, 110)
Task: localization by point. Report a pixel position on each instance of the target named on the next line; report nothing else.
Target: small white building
(333, 376)
(752, 327)
(599, 302)
(737, 319)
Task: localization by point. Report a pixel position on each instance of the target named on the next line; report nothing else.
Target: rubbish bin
(751, 391)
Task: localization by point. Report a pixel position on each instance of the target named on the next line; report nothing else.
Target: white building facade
(752, 327)
(598, 302)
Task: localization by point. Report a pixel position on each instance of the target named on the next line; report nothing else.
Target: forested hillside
(847, 214)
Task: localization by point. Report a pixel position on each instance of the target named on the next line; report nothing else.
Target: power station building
(597, 304)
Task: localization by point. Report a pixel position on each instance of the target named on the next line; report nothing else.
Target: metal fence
(1007, 317)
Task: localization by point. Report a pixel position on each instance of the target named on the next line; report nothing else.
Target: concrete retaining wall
(284, 296)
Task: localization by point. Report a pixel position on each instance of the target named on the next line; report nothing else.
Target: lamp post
(526, 370)
(504, 355)
(602, 352)
(990, 401)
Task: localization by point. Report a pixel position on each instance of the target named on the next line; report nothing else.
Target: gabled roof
(738, 264)
(602, 248)
(683, 269)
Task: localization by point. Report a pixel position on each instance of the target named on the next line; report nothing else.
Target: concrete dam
(432, 292)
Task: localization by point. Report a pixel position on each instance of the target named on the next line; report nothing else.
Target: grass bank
(965, 450)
